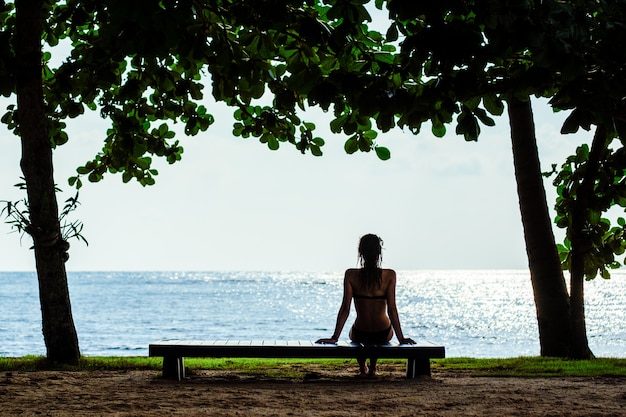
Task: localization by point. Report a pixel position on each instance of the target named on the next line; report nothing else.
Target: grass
(281, 368)
(297, 368)
(109, 363)
(535, 367)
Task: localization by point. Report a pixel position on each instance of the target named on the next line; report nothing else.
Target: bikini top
(370, 297)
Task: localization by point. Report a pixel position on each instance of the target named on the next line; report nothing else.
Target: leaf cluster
(315, 56)
(144, 66)
(602, 240)
(593, 85)
(17, 215)
(459, 61)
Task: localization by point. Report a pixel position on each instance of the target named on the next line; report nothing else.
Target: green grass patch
(280, 368)
(535, 367)
(92, 363)
(298, 368)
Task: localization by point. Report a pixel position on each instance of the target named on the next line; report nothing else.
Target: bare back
(372, 305)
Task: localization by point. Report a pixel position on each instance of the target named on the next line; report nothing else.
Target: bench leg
(416, 367)
(173, 367)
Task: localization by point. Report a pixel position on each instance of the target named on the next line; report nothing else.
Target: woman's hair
(370, 257)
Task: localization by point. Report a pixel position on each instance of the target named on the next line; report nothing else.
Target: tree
(550, 292)
(138, 63)
(591, 182)
(141, 64)
(549, 289)
(44, 226)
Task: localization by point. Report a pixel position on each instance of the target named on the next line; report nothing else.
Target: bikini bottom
(380, 337)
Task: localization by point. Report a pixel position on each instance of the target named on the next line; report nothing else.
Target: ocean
(472, 313)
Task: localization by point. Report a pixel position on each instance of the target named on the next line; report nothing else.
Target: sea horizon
(475, 313)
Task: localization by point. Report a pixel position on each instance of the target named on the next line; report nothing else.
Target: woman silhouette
(374, 291)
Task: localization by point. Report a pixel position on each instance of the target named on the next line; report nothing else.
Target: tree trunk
(580, 345)
(581, 245)
(549, 288)
(50, 248)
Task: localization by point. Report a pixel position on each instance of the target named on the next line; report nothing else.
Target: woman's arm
(392, 310)
(344, 311)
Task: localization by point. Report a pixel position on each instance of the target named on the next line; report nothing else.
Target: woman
(374, 293)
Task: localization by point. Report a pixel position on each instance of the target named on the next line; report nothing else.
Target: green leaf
(384, 57)
(315, 150)
(467, 126)
(60, 138)
(493, 105)
(94, 177)
(439, 131)
(438, 128)
(562, 222)
(126, 176)
(483, 117)
(392, 33)
(238, 129)
(318, 141)
(570, 125)
(351, 145)
(144, 163)
(83, 170)
(382, 153)
(337, 124)
(594, 217)
(7, 117)
(273, 143)
(370, 135)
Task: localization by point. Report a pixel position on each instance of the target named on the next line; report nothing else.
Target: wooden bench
(173, 352)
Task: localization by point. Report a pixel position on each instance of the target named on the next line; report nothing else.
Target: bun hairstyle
(370, 258)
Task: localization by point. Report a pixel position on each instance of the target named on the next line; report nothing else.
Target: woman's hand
(329, 341)
(406, 341)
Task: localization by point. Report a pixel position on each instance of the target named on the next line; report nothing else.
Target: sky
(233, 204)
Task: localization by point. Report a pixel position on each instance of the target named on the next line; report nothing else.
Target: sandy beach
(321, 392)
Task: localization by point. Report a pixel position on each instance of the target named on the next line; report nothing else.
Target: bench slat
(257, 349)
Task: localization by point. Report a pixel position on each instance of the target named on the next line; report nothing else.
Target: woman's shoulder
(351, 273)
(389, 274)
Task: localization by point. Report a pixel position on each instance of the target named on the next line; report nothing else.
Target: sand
(321, 392)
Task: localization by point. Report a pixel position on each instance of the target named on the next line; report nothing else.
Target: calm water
(473, 313)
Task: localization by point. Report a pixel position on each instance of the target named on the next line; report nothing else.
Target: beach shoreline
(321, 392)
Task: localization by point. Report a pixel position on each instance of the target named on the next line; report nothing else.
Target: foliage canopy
(144, 65)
